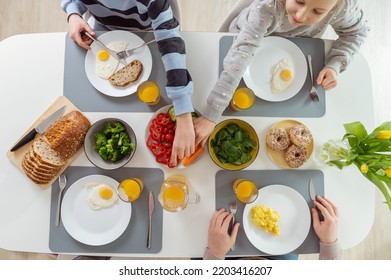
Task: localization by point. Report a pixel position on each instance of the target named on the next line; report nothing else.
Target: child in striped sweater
(157, 16)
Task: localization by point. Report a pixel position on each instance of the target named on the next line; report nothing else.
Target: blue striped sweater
(153, 15)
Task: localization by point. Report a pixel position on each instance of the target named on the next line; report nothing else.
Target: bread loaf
(49, 155)
(66, 136)
(127, 74)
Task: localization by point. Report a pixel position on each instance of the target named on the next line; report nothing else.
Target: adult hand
(327, 78)
(183, 144)
(203, 128)
(76, 25)
(326, 230)
(219, 241)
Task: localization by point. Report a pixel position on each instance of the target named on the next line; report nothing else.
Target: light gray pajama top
(268, 17)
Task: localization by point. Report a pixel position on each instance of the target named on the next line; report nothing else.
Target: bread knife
(40, 129)
(311, 190)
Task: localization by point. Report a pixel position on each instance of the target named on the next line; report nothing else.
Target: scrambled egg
(266, 219)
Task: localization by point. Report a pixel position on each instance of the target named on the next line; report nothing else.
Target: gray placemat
(134, 239)
(301, 104)
(83, 95)
(296, 179)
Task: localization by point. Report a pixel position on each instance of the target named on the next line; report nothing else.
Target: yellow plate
(253, 136)
(278, 157)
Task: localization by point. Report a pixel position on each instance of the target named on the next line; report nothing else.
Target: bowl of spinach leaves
(110, 143)
(233, 144)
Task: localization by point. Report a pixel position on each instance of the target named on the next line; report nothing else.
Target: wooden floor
(34, 16)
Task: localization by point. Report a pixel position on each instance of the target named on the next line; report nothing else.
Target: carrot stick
(189, 159)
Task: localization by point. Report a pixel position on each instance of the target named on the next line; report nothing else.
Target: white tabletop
(32, 69)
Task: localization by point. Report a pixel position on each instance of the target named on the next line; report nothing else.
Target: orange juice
(246, 191)
(148, 92)
(243, 98)
(130, 189)
(175, 194)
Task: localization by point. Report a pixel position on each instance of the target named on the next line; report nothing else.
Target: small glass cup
(149, 93)
(175, 194)
(242, 99)
(246, 191)
(129, 190)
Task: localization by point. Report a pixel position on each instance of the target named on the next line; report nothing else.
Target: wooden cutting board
(16, 157)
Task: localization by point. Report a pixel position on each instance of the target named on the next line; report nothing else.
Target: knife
(41, 128)
(311, 190)
(151, 207)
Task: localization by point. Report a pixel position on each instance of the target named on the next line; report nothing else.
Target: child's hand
(327, 78)
(76, 26)
(203, 128)
(183, 144)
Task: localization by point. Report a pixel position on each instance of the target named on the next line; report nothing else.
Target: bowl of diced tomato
(160, 135)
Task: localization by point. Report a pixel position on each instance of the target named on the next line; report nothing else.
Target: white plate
(93, 227)
(294, 223)
(143, 54)
(259, 73)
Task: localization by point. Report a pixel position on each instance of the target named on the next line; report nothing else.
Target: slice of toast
(126, 75)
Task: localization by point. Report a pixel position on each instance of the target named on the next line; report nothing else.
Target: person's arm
(219, 241)
(179, 86)
(327, 230)
(262, 17)
(76, 24)
(73, 7)
(352, 30)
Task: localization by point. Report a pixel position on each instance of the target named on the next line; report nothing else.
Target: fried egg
(106, 64)
(101, 196)
(282, 75)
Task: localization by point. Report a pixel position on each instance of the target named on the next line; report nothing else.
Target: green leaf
(380, 185)
(357, 129)
(383, 126)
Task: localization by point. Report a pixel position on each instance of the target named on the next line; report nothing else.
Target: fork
(232, 209)
(62, 182)
(112, 52)
(313, 93)
(126, 53)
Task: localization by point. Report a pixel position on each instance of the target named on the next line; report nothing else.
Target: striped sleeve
(172, 48)
(73, 7)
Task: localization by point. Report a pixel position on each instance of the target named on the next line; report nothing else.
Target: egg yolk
(105, 193)
(103, 55)
(286, 75)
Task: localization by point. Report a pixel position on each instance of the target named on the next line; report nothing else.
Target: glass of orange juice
(129, 190)
(242, 99)
(148, 92)
(246, 191)
(175, 194)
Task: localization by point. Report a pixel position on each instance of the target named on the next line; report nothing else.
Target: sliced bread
(34, 163)
(126, 75)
